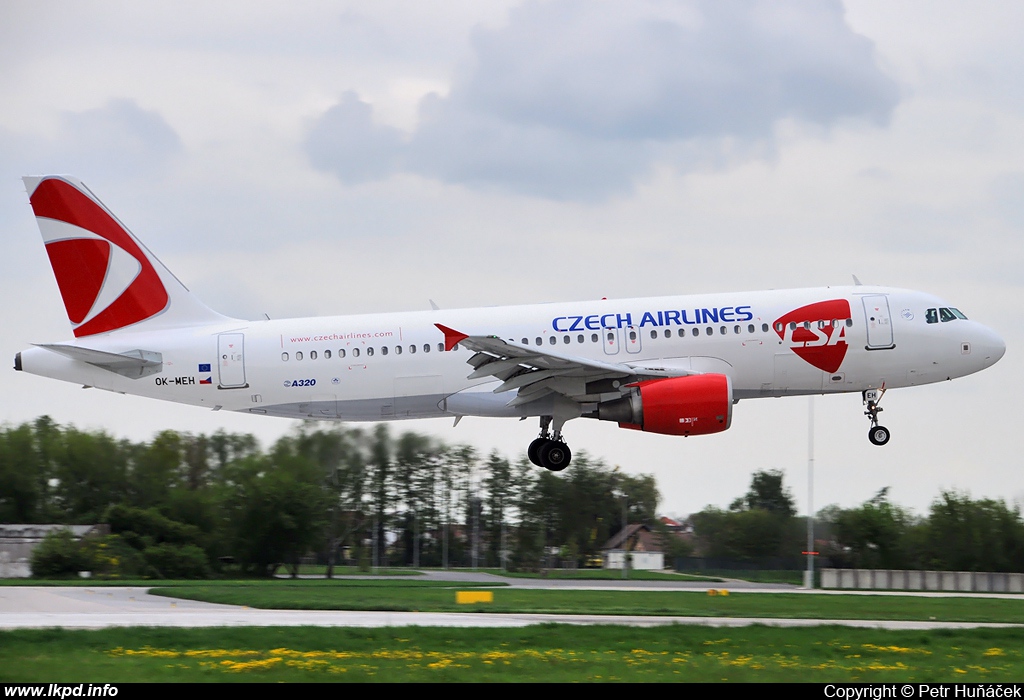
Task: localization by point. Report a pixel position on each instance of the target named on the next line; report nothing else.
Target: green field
(427, 596)
(551, 653)
(602, 575)
(321, 570)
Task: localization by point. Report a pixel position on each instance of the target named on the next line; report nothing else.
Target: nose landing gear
(549, 450)
(877, 434)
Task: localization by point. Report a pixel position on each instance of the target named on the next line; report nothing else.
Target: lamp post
(809, 574)
(621, 494)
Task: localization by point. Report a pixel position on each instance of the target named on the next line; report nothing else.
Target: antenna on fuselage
(857, 281)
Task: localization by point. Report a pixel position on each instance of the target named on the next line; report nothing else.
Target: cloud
(346, 142)
(120, 136)
(574, 99)
(119, 140)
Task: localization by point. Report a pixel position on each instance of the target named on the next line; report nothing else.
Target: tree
(873, 535)
(276, 509)
(759, 524)
(767, 493)
(968, 535)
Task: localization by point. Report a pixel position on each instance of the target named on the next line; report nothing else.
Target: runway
(37, 607)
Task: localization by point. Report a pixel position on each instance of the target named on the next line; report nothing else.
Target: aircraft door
(231, 361)
(610, 340)
(633, 342)
(879, 323)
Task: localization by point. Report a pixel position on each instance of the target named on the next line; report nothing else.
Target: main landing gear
(549, 450)
(877, 434)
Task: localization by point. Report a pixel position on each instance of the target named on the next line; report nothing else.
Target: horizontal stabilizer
(133, 364)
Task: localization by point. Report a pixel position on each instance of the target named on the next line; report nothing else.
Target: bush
(59, 554)
(178, 561)
(111, 557)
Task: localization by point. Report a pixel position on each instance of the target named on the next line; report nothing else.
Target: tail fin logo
(817, 333)
(105, 278)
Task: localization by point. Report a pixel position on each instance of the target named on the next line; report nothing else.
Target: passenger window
(412, 349)
(398, 349)
(654, 335)
(696, 331)
(849, 323)
(526, 341)
(682, 332)
(736, 330)
(384, 350)
(298, 355)
(566, 339)
(426, 347)
(312, 354)
(611, 337)
(355, 352)
(579, 338)
(593, 337)
(284, 357)
(552, 340)
(723, 330)
(369, 352)
(341, 353)
(750, 328)
(440, 347)
(539, 341)
(946, 315)
(327, 354)
(668, 333)
(764, 327)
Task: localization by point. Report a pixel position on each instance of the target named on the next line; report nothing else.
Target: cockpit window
(931, 316)
(956, 312)
(946, 315)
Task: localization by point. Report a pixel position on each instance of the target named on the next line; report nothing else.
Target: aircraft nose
(990, 346)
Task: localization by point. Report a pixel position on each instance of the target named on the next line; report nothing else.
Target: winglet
(451, 337)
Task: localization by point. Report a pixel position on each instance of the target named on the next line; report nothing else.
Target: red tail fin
(107, 279)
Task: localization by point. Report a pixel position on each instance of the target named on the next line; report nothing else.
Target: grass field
(321, 570)
(426, 596)
(602, 575)
(546, 653)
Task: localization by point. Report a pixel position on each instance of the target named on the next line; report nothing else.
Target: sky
(320, 158)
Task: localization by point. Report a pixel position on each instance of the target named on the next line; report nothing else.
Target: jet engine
(698, 404)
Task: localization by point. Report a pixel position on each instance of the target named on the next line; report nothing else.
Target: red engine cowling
(695, 405)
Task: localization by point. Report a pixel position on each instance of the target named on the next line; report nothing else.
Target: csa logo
(810, 332)
(105, 278)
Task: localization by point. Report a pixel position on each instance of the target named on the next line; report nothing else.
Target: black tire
(878, 435)
(533, 451)
(555, 456)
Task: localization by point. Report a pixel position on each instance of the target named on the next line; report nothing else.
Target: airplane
(672, 365)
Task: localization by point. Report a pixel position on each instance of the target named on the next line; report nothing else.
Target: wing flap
(535, 372)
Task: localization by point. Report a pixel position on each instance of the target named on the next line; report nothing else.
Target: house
(18, 541)
(640, 542)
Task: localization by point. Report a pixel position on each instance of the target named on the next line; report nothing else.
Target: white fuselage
(393, 366)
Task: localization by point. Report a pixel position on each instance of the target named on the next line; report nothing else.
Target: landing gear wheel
(878, 435)
(555, 456)
(533, 451)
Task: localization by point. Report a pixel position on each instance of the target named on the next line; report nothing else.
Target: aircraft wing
(535, 372)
